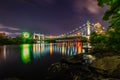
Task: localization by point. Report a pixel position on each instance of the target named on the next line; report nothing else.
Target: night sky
(47, 16)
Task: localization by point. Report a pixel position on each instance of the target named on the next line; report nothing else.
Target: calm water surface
(33, 60)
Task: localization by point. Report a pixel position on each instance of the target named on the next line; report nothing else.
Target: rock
(108, 66)
(58, 67)
(116, 72)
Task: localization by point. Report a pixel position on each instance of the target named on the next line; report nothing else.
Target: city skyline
(53, 17)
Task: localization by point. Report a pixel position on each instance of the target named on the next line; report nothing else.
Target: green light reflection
(25, 55)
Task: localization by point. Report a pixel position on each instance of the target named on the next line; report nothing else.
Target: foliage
(113, 11)
(111, 39)
(84, 39)
(98, 40)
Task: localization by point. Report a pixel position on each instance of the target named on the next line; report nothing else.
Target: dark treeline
(16, 40)
(22, 40)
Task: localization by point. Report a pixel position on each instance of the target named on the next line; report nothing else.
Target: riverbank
(72, 68)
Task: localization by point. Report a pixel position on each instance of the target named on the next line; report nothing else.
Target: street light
(26, 34)
(78, 33)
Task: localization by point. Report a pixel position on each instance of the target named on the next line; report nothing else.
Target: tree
(98, 40)
(113, 16)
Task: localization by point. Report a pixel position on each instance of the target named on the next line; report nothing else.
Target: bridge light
(103, 28)
(51, 36)
(78, 33)
(92, 24)
(82, 33)
(62, 35)
(83, 24)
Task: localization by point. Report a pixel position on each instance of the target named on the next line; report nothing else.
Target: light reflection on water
(24, 60)
(37, 51)
(25, 53)
(40, 50)
(62, 48)
(3, 52)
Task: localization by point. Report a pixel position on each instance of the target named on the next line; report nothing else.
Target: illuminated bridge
(81, 31)
(84, 30)
(76, 34)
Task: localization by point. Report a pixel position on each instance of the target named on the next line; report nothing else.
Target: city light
(78, 33)
(26, 34)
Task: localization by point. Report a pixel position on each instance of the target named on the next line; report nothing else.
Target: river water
(28, 61)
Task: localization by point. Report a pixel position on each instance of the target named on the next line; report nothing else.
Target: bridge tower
(38, 37)
(88, 33)
(88, 30)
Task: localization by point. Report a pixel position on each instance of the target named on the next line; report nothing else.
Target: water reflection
(79, 47)
(67, 49)
(3, 52)
(25, 53)
(37, 51)
(35, 58)
(51, 49)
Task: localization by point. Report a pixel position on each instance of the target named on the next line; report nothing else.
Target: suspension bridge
(82, 31)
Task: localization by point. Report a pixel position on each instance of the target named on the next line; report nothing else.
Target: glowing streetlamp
(78, 33)
(26, 34)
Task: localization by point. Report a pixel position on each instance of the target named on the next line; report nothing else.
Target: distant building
(98, 28)
(38, 37)
(3, 34)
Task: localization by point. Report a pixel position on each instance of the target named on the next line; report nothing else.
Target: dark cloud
(37, 3)
(10, 31)
(8, 27)
(49, 16)
(89, 5)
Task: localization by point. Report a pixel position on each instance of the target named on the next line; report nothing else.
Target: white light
(83, 24)
(92, 23)
(103, 27)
